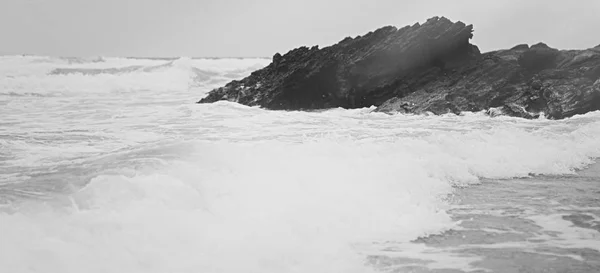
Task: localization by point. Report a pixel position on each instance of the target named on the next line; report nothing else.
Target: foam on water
(112, 168)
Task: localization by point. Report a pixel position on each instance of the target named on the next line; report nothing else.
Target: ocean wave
(20, 77)
(26, 94)
(80, 60)
(183, 66)
(234, 200)
(277, 206)
(95, 71)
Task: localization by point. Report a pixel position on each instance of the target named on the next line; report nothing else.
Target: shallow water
(540, 224)
(108, 166)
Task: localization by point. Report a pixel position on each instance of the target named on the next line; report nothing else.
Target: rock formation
(521, 81)
(424, 68)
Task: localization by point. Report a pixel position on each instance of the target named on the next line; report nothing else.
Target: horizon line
(137, 57)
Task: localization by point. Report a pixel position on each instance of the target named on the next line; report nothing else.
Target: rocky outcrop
(522, 81)
(356, 72)
(424, 68)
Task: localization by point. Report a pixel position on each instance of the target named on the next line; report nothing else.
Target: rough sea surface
(108, 165)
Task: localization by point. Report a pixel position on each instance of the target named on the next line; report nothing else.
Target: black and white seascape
(108, 164)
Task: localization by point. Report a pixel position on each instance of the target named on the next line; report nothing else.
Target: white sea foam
(135, 177)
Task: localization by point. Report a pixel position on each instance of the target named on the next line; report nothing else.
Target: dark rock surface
(425, 68)
(517, 82)
(357, 72)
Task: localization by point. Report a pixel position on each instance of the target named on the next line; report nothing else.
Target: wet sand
(539, 224)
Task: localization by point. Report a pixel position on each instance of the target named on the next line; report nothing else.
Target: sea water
(108, 165)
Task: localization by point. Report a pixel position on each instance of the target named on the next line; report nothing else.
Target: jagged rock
(277, 58)
(425, 68)
(567, 86)
(520, 47)
(538, 57)
(359, 72)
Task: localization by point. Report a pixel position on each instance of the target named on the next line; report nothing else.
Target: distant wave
(194, 58)
(197, 75)
(110, 70)
(95, 71)
(79, 60)
(28, 94)
(67, 60)
(38, 76)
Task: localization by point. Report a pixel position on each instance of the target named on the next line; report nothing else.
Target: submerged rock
(424, 68)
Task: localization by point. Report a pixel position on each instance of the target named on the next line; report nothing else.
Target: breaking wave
(27, 75)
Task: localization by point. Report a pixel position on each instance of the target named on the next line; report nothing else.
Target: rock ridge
(430, 67)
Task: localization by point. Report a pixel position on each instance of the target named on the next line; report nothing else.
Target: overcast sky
(263, 27)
